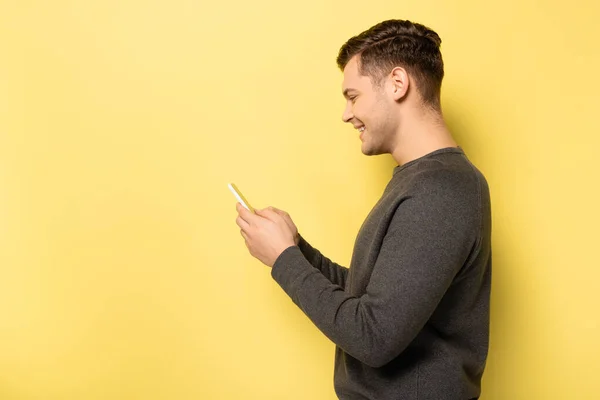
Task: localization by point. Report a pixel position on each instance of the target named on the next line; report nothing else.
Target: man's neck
(422, 137)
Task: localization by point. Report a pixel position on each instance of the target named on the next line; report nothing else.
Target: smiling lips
(361, 130)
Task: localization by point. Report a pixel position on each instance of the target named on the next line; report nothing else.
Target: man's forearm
(334, 272)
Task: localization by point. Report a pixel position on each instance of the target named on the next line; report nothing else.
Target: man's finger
(241, 222)
(245, 214)
(245, 236)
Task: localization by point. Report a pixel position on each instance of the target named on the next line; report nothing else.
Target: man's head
(390, 68)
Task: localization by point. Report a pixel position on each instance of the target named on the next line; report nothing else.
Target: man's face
(369, 110)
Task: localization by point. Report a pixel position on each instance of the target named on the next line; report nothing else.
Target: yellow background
(122, 272)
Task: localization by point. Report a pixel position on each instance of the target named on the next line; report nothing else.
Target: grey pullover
(410, 317)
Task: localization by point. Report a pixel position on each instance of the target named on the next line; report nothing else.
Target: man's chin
(369, 151)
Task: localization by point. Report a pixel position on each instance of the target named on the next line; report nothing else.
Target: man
(410, 317)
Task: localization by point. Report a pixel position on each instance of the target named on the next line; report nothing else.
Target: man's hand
(288, 220)
(267, 233)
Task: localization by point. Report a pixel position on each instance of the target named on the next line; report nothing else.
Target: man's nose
(347, 114)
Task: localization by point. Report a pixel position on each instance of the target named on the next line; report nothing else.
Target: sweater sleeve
(332, 271)
(426, 244)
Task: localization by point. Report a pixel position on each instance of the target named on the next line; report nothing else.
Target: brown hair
(402, 43)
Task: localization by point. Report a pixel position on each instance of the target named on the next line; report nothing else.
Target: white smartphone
(240, 197)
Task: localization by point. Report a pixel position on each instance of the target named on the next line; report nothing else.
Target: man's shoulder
(439, 177)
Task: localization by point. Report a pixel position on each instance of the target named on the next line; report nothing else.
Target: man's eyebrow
(346, 91)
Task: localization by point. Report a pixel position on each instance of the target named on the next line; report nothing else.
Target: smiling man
(410, 316)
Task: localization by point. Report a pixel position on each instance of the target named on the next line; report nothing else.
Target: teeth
(361, 129)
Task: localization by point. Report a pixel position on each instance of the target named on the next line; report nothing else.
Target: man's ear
(399, 82)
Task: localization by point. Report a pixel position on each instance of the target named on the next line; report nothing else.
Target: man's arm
(332, 271)
(428, 240)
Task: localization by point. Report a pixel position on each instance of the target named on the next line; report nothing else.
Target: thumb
(277, 210)
(267, 213)
(263, 212)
